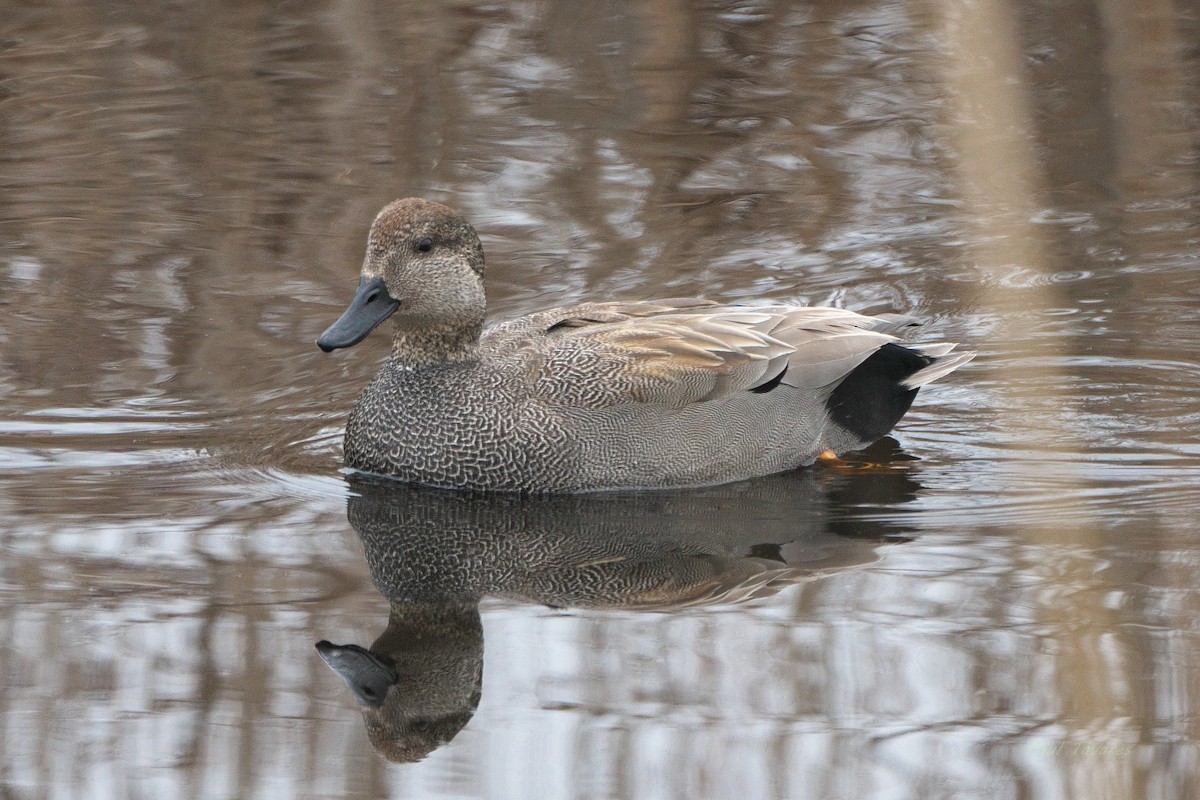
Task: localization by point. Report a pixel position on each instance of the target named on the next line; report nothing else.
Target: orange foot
(854, 464)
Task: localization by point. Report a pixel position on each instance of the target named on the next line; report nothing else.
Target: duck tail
(941, 365)
(876, 394)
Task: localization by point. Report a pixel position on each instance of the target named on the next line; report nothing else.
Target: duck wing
(678, 352)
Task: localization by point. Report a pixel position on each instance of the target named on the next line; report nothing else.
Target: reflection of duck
(658, 394)
(434, 554)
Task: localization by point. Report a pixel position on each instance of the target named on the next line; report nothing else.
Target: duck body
(656, 394)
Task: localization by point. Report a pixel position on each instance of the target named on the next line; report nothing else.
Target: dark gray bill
(371, 305)
(367, 675)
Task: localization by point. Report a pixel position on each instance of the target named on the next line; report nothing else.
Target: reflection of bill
(434, 554)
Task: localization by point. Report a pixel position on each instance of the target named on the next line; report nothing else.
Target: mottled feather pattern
(672, 354)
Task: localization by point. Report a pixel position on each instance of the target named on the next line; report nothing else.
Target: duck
(605, 395)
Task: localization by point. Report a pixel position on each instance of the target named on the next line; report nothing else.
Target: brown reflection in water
(1105, 163)
(185, 195)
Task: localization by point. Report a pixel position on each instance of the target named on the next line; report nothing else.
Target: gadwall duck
(655, 394)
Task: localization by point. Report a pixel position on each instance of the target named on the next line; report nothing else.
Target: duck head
(424, 269)
(419, 684)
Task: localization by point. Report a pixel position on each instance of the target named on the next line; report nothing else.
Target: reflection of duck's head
(419, 683)
(434, 554)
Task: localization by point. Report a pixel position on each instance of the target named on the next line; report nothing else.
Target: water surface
(999, 602)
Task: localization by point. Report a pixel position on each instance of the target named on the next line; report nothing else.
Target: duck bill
(371, 305)
(364, 672)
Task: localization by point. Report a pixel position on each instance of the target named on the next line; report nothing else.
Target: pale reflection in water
(183, 201)
(436, 554)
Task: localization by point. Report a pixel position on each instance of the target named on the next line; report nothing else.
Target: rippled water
(998, 602)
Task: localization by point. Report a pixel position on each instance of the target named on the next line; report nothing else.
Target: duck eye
(425, 245)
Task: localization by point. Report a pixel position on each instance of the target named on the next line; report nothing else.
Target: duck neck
(428, 345)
